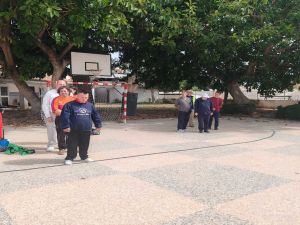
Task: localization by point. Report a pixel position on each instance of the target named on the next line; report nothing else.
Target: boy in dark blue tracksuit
(203, 109)
(76, 120)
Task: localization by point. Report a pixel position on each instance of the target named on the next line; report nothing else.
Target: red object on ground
(1, 126)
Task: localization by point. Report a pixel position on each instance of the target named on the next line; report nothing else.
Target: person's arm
(54, 106)
(46, 105)
(65, 118)
(177, 104)
(96, 118)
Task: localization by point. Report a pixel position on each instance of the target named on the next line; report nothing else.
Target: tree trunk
(58, 61)
(24, 89)
(225, 96)
(152, 95)
(58, 70)
(236, 93)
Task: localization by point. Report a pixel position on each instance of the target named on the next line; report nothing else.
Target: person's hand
(67, 130)
(49, 120)
(211, 113)
(58, 112)
(98, 129)
(196, 114)
(214, 109)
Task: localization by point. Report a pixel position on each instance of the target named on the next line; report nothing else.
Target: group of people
(204, 108)
(69, 117)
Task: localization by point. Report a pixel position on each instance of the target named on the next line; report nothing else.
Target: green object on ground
(12, 148)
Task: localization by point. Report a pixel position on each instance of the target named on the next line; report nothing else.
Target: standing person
(217, 105)
(76, 119)
(203, 109)
(49, 117)
(1, 124)
(183, 105)
(57, 105)
(192, 100)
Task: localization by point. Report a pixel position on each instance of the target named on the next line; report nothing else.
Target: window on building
(4, 96)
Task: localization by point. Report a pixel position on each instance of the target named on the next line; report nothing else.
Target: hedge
(289, 112)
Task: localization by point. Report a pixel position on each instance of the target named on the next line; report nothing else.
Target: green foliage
(290, 112)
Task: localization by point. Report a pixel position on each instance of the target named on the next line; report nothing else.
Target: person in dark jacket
(76, 119)
(203, 109)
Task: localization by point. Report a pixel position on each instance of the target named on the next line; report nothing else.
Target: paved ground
(247, 173)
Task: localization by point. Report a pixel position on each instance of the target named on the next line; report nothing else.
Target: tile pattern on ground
(54, 175)
(166, 189)
(209, 183)
(217, 151)
(112, 144)
(275, 206)
(4, 217)
(104, 200)
(268, 144)
(208, 217)
(290, 150)
(264, 162)
(147, 162)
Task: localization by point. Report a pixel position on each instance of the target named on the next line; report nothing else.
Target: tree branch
(41, 33)
(65, 51)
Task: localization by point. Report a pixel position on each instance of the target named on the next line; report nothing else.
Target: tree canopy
(207, 43)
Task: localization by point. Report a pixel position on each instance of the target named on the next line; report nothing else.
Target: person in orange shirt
(57, 106)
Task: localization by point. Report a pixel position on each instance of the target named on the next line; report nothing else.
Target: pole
(125, 103)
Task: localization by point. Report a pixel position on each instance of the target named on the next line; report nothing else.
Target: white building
(10, 95)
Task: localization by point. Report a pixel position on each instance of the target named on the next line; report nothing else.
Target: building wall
(14, 97)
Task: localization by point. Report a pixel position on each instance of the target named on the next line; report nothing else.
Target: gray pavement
(246, 173)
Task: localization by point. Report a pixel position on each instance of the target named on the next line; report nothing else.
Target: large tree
(157, 53)
(54, 28)
(220, 44)
(8, 37)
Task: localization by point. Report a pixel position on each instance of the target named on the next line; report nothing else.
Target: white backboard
(90, 64)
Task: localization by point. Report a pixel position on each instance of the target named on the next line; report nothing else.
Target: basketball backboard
(89, 64)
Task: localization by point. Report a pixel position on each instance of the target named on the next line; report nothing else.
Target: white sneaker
(50, 149)
(88, 160)
(68, 162)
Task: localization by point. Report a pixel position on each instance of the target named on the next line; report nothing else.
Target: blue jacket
(203, 107)
(79, 116)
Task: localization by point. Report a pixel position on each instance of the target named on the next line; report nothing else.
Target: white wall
(40, 87)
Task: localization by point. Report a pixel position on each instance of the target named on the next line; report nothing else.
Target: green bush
(233, 108)
(290, 112)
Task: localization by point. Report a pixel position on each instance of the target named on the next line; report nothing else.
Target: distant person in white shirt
(49, 117)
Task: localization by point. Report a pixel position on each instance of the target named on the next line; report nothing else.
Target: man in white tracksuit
(49, 117)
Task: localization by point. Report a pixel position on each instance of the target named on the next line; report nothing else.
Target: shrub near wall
(290, 112)
(232, 108)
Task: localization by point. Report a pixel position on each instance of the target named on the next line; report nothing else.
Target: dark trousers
(61, 136)
(203, 121)
(183, 119)
(79, 139)
(215, 117)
